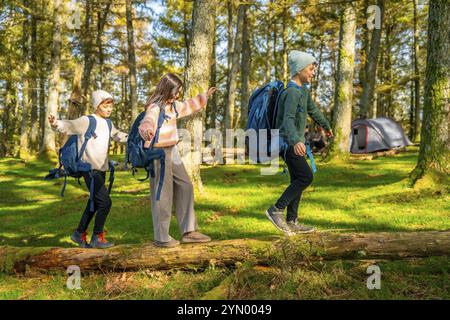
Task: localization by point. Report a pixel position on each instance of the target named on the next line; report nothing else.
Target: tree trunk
(197, 79)
(42, 107)
(343, 100)
(411, 110)
(388, 109)
(433, 163)
(212, 105)
(230, 37)
(9, 121)
(364, 49)
(316, 80)
(34, 130)
(245, 69)
(417, 107)
(232, 76)
(76, 97)
(49, 146)
(24, 151)
(328, 246)
(131, 60)
(284, 38)
(186, 31)
(88, 57)
(366, 109)
(101, 21)
(268, 53)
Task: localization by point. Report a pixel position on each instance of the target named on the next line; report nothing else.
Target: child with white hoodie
(96, 153)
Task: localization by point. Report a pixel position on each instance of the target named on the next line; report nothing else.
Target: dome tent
(370, 135)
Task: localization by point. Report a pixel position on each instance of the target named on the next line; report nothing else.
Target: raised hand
(211, 91)
(52, 120)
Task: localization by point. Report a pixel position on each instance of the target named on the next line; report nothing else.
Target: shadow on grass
(51, 222)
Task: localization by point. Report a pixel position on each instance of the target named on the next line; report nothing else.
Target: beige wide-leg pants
(177, 188)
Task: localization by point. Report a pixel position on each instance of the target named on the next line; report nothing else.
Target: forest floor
(361, 196)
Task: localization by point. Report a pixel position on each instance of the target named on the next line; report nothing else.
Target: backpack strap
(111, 174)
(64, 186)
(161, 118)
(111, 163)
(151, 170)
(311, 157)
(90, 132)
(174, 106)
(162, 162)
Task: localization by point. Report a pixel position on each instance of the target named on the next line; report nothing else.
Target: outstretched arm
(118, 136)
(318, 117)
(77, 126)
(193, 105)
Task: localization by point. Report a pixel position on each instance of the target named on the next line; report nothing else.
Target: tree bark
(101, 22)
(197, 80)
(88, 57)
(233, 72)
(212, 105)
(230, 44)
(433, 162)
(328, 246)
(366, 104)
(24, 151)
(274, 24)
(268, 53)
(343, 100)
(76, 96)
(245, 69)
(34, 130)
(131, 60)
(284, 37)
(316, 79)
(49, 146)
(417, 107)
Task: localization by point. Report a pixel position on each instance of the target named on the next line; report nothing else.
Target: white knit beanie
(98, 96)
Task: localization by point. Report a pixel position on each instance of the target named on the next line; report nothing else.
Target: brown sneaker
(194, 236)
(168, 244)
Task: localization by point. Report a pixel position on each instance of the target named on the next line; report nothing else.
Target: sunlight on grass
(360, 196)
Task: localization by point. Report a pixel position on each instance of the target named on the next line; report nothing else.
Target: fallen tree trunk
(326, 245)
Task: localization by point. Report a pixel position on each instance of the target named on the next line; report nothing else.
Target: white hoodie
(96, 152)
(97, 149)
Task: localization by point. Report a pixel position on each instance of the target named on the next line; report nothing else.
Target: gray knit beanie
(98, 96)
(299, 60)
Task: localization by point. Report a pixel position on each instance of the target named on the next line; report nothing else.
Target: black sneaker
(299, 228)
(80, 239)
(276, 216)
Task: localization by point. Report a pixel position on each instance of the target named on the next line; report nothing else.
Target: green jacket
(294, 105)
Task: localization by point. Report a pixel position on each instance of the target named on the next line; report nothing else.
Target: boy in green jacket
(294, 105)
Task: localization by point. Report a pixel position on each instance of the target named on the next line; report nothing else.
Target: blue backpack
(262, 115)
(72, 165)
(263, 111)
(140, 157)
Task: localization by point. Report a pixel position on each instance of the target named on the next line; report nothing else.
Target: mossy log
(326, 245)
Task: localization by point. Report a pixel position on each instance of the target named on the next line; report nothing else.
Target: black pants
(301, 177)
(102, 203)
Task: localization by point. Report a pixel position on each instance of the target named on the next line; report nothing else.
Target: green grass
(361, 196)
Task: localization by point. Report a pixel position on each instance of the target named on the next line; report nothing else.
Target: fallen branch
(326, 245)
